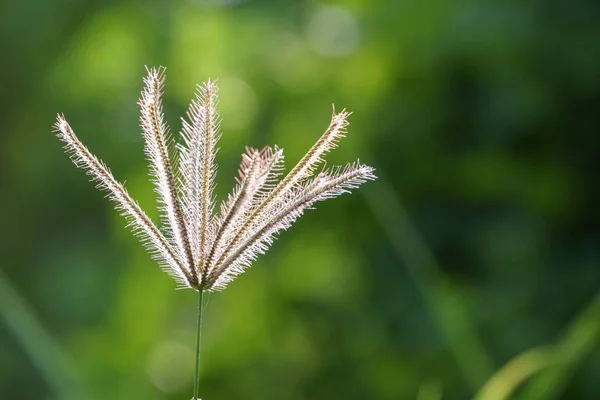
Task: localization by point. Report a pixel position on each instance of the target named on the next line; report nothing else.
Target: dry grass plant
(201, 249)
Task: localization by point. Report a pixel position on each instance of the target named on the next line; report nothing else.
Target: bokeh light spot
(170, 367)
(333, 31)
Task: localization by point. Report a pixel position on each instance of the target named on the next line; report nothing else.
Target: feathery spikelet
(158, 142)
(142, 226)
(201, 250)
(198, 169)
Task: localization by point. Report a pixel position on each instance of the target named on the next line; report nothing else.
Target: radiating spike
(200, 135)
(257, 173)
(141, 225)
(158, 141)
(302, 171)
(326, 185)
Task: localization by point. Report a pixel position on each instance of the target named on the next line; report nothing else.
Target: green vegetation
(469, 270)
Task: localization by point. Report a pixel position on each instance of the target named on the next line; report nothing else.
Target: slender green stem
(198, 337)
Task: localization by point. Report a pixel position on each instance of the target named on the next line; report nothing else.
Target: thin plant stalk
(198, 342)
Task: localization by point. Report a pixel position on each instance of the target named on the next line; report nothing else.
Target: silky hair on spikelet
(202, 249)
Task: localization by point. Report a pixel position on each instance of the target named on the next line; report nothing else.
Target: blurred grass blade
(579, 340)
(444, 302)
(504, 381)
(554, 363)
(45, 353)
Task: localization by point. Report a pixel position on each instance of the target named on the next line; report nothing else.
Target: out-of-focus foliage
(479, 243)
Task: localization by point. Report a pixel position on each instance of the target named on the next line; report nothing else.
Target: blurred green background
(470, 268)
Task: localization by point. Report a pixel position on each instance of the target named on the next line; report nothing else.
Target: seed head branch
(326, 185)
(158, 139)
(202, 250)
(302, 170)
(141, 224)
